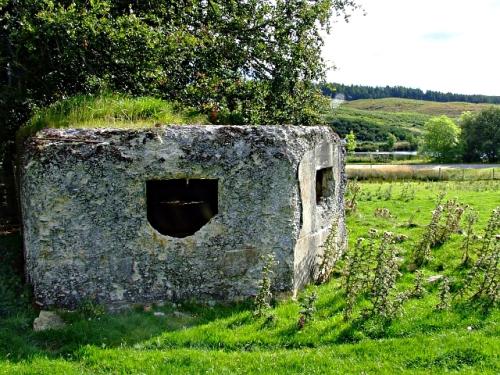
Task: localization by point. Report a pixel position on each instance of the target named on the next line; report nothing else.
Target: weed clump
(352, 192)
(407, 193)
(384, 282)
(374, 271)
(264, 296)
(91, 309)
(452, 213)
(383, 213)
(357, 272)
(470, 237)
(419, 289)
(331, 254)
(422, 252)
(307, 309)
(444, 295)
(483, 280)
(439, 231)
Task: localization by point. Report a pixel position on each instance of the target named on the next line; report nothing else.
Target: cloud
(445, 45)
(440, 36)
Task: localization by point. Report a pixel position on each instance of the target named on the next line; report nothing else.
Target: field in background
(424, 107)
(424, 172)
(187, 338)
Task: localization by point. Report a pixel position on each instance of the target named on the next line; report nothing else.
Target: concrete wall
(318, 217)
(87, 235)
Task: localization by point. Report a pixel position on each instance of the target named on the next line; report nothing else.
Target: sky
(442, 45)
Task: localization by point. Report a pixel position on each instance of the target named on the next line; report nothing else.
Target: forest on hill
(355, 92)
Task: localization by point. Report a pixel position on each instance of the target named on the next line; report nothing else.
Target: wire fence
(432, 173)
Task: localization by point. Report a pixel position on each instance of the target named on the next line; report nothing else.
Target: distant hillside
(451, 109)
(373, 119)
(355, 92)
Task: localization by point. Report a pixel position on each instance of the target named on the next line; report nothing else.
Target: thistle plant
(307, 309)
(483, 280)
(407, 193)
(422, 253)
(387, 193)
(470, 237)
(353, 190)
(436, 232)
(419, 289)
(452, 212)
(372, 268)
(357, 274)
(382, 213)
(352, 281)
(384, 282)
(329, 257)
(440, 197)
(399, 300)
(444, 295)
(264, 296)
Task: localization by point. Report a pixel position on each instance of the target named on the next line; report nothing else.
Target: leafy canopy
(248, 62)
(481, 135)
(390, 141)
(350, 142)
(441, 139)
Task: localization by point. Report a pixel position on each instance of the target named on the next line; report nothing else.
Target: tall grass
(111, 110)
(407, 172)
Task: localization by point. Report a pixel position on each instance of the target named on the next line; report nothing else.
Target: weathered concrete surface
(87, 235)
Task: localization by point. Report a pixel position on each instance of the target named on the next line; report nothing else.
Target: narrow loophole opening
(324, 184)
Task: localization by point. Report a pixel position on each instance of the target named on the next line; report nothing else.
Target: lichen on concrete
(87, 234)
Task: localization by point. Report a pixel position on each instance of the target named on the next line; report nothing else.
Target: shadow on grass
(333, 305)
(453, 360)
(19, 342)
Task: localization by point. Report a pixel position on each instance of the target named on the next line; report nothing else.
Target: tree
(350, 142)
(252, 61)
(441, 139)
(390, 141)
(481, 135)
(354, 92)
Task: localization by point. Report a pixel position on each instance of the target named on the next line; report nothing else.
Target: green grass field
(191, 339)
(424, 107)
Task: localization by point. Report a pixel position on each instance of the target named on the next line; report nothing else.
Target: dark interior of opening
(324, 184)
(180, 207)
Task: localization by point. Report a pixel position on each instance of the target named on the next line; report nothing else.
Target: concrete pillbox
(177, 212)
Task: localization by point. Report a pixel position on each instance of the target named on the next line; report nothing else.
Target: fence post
(439, 176)
(492, 173)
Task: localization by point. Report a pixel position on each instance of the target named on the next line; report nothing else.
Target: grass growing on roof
(111, 111)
